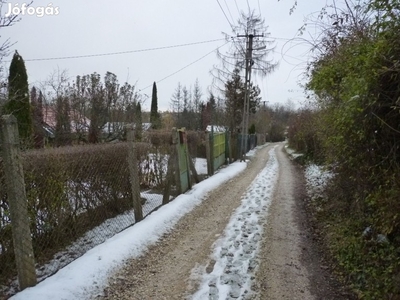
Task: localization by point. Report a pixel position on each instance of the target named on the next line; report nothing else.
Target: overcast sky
(100, 27)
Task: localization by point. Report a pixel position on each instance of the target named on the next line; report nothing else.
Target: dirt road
(166, 270)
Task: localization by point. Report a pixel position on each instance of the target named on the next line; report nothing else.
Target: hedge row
(70, 190)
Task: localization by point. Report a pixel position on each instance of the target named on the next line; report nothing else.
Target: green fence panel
(219, 150)
(227, 146)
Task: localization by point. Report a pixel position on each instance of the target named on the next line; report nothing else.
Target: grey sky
(99, 26)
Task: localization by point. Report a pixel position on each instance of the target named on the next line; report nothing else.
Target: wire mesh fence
(79, 196)
(8, 267)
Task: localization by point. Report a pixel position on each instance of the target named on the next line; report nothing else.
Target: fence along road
(75, 193)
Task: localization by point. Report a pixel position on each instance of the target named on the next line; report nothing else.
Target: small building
(216, 128)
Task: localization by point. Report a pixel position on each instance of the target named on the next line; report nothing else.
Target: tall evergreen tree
(98, 106)
(38, 118)
(197, 104)
(186, 117)
(63, 130)
(138, 122)
(155, 119)
(234, 98)
(211, 104)
(18, 97)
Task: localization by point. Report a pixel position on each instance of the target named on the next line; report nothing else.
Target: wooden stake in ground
(15, 186)
(134, 174)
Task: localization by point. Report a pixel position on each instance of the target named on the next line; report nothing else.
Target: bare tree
(56, 107)
(176, 102)
(6, 21)
(197, 104)
(249, 53)
(235, 57)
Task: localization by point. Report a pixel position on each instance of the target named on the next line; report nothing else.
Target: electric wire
(226, 17)
(183, 68)
(248, 5)
(122, 52)
(229, 11)
(134, 51)
(237, 7)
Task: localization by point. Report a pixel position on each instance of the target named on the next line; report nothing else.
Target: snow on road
(235, 253)
(87, 275)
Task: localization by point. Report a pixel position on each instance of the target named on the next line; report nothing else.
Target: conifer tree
(38, 118)
(154, 115)
(18, 97)
(138, 122)
(63, 128)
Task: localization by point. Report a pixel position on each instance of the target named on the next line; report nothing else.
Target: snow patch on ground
(201, 166)
(292, 153)
(317, 178)
(91, 239)
(235, 253)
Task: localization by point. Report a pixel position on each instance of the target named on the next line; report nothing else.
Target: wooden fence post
(212, 150)
(227, 148)
(170, 174)
(192, 169)
(172, 170)
(231, 143)
(134, 174)
(15, 186)
(175, 144)
(189, 178)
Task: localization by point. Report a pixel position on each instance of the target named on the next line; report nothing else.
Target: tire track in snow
(230, 273)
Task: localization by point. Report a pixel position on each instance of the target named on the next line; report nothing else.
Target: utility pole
(246, 102)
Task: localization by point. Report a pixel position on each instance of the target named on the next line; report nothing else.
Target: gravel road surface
(177, 266)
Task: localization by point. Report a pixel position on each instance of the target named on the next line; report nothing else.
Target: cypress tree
(138, 122)
(154, 115)
(38, 118)
(18, 97)
(63, 135)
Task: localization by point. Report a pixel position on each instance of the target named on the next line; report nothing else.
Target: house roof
(77, 120)
(216, 128)
(111, 127)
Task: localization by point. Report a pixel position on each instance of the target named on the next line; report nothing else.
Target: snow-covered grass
(155, 167)
(87, 275)
(201, 166)
(235, 253)
(317, 178)
(292, 153)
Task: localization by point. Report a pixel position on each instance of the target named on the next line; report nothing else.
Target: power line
(237, 7)
(226, 17)
(229, 11)
(123, 52)
(248, 5)
(181, 69)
